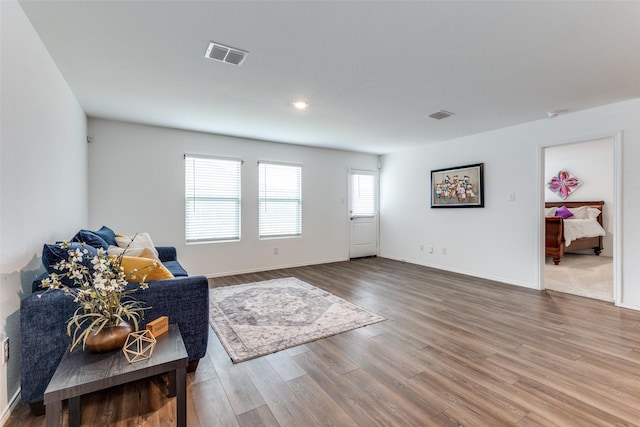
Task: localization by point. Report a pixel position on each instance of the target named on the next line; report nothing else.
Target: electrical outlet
(5, 347)
(275, 251)
(430, 249)
(422, 247)
(444, 251)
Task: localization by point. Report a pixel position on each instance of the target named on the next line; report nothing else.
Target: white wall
(43, 172)
(502, 240)
(136, 179)
(592, 162)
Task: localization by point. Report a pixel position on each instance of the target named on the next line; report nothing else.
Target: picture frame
(458, 187)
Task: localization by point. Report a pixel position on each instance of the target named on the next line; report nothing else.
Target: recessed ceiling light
(300, 105)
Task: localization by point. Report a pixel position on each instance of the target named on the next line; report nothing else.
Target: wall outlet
(275, 251)
(430, 249)
(5, 350)
(422, 247)
(444, 251)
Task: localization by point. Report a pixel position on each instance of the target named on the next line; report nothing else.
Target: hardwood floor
(454, 351)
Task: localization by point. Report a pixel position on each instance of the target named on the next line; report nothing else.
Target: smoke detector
(555, 113)
(442, 114)
(222, 53)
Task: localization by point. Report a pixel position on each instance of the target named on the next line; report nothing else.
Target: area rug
(260, 318)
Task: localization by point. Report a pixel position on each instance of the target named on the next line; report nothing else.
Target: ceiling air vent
(230, 55)
(442, 114)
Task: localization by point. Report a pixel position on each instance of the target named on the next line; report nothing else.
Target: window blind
(280, 200)
(363, 198)
(212, 199)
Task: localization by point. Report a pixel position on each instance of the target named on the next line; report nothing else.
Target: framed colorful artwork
(564, 184)
(459, 187)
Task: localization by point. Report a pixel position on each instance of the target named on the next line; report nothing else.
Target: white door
(363, 214)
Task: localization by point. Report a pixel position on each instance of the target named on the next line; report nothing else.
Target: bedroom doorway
(593, 163)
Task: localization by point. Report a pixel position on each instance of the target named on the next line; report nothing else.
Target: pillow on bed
(593, 212)
(564, 212)
(550, 211)
(585, 212)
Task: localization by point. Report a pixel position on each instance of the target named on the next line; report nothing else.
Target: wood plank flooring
(455, 351)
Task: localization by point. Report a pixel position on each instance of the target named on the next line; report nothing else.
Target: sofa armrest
(167, 253)
(43, 335)
(185, 300)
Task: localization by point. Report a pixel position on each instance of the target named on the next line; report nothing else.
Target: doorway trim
(617, 138)
(376, 225)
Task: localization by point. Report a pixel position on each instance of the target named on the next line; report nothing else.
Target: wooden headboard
(599, 204)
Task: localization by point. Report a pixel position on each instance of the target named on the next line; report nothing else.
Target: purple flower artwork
(563, 184)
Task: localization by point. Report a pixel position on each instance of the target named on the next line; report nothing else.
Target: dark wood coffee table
(81, 372)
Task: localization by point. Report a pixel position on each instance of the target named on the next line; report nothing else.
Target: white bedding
(578, 228)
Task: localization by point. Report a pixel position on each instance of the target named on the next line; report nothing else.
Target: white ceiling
(372, 71)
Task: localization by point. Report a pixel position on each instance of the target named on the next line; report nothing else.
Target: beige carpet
(256, 319)
(584, 275)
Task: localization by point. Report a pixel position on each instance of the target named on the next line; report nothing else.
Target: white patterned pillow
(136, 241)
(133, 252)
(585, 212)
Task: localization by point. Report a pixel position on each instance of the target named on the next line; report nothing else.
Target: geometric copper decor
(139, 346)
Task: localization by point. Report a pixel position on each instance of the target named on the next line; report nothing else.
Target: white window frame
(230, 199)
(366, 198)
(285, 227)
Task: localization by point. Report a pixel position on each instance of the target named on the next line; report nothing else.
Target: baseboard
(437, 267)
(467, 273)
(9, 409)
(492, 278)
(629, 306)
(275, 267)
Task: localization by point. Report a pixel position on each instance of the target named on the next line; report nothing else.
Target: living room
(130, 177)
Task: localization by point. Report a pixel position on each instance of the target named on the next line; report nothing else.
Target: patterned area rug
(260, 318)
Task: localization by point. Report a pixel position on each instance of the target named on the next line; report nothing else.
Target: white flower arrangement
(101, 292)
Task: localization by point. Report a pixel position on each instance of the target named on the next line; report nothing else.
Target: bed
(582, 231)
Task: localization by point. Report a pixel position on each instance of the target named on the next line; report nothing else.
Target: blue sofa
(43, 318)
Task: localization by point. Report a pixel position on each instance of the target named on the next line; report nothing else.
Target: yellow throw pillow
(137, 269)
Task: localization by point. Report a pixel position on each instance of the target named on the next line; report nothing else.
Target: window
(280, 200)
(363, 195)
(212, 199)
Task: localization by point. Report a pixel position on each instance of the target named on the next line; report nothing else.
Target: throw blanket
(577, 228)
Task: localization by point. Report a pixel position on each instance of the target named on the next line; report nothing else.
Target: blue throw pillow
(108, 235)
(91, 238)
(52, 254)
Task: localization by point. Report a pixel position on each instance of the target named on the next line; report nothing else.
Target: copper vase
(108, 339)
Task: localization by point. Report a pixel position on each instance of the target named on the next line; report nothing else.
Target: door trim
(376, 175)
(617, 138)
